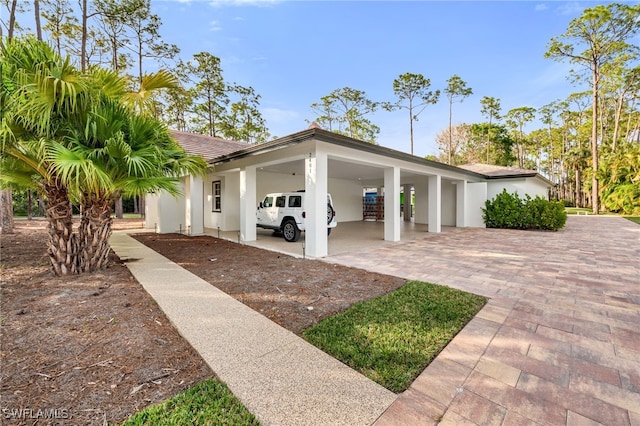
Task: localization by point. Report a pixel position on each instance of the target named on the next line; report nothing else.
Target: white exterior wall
(267, 182)
(229, 218)
(171, 211)
(347, 199)
(151, 214)
(476, 196)
(531, 186)
(421, 188)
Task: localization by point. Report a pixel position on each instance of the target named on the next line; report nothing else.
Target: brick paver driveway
(559, 340)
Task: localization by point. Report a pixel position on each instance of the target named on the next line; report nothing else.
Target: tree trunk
(595, 190)
(29, 205)
(12, 19)
(119, 210)
(63, 247)
(6, 211)
(94, 233)
(41, 207)
(83, 46)
(36, 13)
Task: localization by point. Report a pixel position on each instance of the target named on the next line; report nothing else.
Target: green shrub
(509, 211)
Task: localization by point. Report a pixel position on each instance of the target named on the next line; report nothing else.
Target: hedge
(512, 212)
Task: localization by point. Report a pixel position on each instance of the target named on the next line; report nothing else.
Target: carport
(322, 162)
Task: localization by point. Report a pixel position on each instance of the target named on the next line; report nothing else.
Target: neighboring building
(322, 162)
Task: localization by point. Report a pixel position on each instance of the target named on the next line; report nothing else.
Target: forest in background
(588, 146)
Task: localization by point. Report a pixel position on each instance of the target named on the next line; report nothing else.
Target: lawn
(208, 403)
(577, 210)
(392, 338)
(635, 219)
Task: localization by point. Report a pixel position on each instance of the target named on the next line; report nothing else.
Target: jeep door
(279, 210)
(267, 213)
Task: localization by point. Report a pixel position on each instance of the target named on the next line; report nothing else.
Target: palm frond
(77, 171)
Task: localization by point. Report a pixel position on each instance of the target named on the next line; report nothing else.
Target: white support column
(392, 204)
(406, 189)
(196, 205)
(316, 176)
(248, 204)
(435, 203)
(461, 204)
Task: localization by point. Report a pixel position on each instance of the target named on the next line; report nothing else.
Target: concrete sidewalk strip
(279, 377)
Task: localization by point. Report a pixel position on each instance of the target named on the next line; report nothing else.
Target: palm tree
(74, 136)
(38, 89)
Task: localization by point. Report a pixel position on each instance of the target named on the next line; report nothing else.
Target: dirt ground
(95, 348)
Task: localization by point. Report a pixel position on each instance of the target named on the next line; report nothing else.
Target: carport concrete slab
(345, 238)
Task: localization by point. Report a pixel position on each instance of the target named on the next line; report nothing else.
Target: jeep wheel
(328, 231)
(330, 213)
(290, 231)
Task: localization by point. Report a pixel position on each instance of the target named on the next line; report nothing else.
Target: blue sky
(294, 52)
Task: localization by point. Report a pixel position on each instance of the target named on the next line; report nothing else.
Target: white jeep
(284, 212)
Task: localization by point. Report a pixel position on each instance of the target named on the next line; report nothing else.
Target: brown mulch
(295, 293)
(96, 348)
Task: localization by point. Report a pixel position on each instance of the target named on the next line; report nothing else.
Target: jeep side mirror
(260, 205)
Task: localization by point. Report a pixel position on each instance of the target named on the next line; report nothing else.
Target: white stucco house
(322, 162)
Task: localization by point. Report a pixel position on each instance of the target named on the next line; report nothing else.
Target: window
(217, 196)
(268, 202)
(295, 201)
(280, 201)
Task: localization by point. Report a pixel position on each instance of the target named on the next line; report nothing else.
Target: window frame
(216, 196)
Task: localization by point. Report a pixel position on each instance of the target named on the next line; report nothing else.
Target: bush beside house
(510, 211)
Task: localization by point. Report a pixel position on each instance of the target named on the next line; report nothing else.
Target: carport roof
(336, 139)
(218, 151)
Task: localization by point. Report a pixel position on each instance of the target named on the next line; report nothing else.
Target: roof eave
(341, 140)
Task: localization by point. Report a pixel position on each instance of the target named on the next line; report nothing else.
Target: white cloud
(540, 7)
(570, 9)
(214, 26)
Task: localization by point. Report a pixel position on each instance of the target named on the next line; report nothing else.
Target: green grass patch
(577, 210)
(392, 338)
(207, 403)
(635, 219)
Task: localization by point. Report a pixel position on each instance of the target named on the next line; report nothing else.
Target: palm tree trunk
(94, 233)
(63, 246)
(6, 211)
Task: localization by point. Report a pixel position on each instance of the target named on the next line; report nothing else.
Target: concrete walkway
(559, 341)
(279, 377)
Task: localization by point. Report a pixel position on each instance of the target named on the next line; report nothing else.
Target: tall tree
(114, 16)
(604, 35)
(243, 121)
(209, 92)
(456, 89)
(454, 141)
(60, 22)
(516, 119)
(491, 110)
(350, 106)
(413, 95)
(146, 41)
